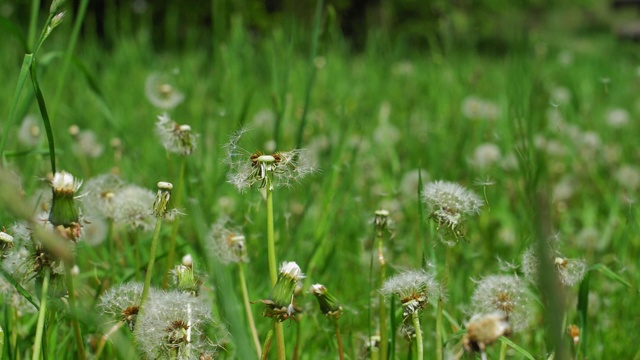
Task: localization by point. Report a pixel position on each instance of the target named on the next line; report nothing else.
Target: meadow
(458, 200)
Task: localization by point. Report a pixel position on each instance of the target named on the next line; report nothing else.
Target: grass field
(542, 131)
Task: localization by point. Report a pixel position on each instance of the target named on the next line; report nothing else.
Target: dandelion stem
(176, 223)
(247, 308)
(152, 259)
(271, 246)
(438, 331)
(112, 248)
(41, 314)
(339, 338)
(280, 340)
(383, 306)
(419, 346)
(74, 311)
(503, 350)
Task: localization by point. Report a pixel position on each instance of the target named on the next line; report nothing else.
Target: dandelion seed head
(162, 92)
(132, 204)
(505, 293)
(485, 156)
(628, 177)
(617, 118)
(415, 288)
(101, 192)
(87, 144)
(174, 137)
(30, 133)
(226, 242)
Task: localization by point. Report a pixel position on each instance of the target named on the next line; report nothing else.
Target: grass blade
(24, 71)
(45, 116)
(19, 287)
(517, 348)
(610, 274)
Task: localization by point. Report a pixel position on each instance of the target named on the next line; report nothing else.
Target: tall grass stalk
(37, 345)
(176, 222)
(247, 309)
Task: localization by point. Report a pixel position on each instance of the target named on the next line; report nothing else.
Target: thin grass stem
(37, 345)
(247, 308)
(73, 307)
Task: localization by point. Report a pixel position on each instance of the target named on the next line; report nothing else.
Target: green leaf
(19, 287)
(517, 348)
(24, 71)
(45, 116)
(610, 274)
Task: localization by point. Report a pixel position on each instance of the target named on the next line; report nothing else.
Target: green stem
(383, 306)
(419, 346)
(271, 243)
(152, 259)
(1, 342)
(112, 249)
(73, 307)
(41, 315)
(267, 345)
(247, 308)
(339, 338)
(176, 223)
(503, 350)
(33, 22)
(438, 331)
(280, 340)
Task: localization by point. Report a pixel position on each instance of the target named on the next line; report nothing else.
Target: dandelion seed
(175, 138)
(227, 243)
(415, 288)
(162, 92)
(267, 170)
(505, 293)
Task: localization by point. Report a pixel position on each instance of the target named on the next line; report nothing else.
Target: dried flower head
(161, 91)
(505, 293)
(449, 203)
(173, 325)
(484, 329)
(227, 243)
(280, 305)
(329, 305)
(569, 271)
(123, 302)
(267, 170)
(175, 138)
(131, 208)
(101, 192)
(162, 199)
(415, 288)
(574, 333)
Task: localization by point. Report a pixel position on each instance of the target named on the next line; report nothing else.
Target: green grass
(324, 222)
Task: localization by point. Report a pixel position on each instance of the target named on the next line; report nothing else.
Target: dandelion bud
(187, 260)
(574, 333)
(162, 199)
(414, 288)
(186, 280)
(279, 305)
(484, 329)
(64, 212)
(328, 303)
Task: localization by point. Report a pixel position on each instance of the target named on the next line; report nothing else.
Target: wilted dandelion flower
(415, 288)
(280, 305)
(227, 243)
(132, 208)
(101, 192)
(175, 138)
(268, 170)
(162, 92)
(329, 305)
(483, 330)
(123, 302)
(449, 203)
(30, 133)
(505, 293)
(173, 325)
(161, 202)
